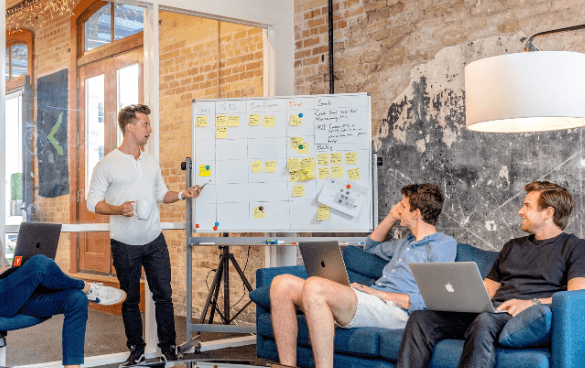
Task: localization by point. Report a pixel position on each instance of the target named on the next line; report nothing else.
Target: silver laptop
(324, 259)
(34, 238)
(452, 287)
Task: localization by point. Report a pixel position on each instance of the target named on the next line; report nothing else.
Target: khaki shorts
(372, 311)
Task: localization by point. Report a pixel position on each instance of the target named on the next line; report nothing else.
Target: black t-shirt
(529, 268)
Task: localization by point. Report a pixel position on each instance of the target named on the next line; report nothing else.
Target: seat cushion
(484, 259)
(359, 261)
(531, 327)
(261, 296)
(363, 342)
(390, 343)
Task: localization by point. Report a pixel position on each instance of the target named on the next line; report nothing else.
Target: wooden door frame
(77, 58)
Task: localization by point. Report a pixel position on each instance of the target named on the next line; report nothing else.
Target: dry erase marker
(201, 187)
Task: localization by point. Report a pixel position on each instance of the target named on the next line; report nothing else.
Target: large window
(16, 61)
(110, 23)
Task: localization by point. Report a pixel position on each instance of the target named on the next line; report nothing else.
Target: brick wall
(377, 43)
(188, 70)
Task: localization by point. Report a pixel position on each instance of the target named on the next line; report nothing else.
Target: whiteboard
(246, 149)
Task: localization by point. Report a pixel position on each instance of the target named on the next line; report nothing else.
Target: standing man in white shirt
(124, 176)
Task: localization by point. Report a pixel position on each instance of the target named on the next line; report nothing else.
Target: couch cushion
(261, 296)
(363, 263)
(531, 327)
(484, 259)
(390, 343)
(356, 341)
(448, 353)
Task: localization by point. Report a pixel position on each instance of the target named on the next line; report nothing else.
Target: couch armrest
(568, 329)
(264, 276)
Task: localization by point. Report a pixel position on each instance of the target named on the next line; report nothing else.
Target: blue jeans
(39, 288)
(128, 262)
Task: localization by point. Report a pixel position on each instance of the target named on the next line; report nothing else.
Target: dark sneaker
(169, 353)
(136, 356)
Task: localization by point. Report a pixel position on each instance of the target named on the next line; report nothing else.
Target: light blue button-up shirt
(396, 275)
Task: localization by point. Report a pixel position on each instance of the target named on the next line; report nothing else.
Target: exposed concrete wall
(410, 55)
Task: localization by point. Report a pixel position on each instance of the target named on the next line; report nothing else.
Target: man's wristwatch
(536, 301)
(181, 196)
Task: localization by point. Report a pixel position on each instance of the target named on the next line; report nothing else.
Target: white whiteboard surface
(261, 133)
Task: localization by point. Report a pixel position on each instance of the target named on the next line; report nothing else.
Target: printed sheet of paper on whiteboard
(344, 195)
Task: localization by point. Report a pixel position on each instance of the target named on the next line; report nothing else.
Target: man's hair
(555, 196)
(128, 115)
(427, 198)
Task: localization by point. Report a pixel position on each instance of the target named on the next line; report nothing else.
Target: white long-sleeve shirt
(118, 178)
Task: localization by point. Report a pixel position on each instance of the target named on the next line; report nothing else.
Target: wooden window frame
(111, 49)
(19, 36)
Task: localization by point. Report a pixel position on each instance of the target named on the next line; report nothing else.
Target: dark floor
(104, 335)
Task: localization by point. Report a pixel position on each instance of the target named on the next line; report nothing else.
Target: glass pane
(128, 20)
(7, 64)
(98, 30)
(94, 125)
(127, 90)
(19, 60)
(13, 189)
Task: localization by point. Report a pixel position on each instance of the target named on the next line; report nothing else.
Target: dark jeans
(39, 288)
(128, 262)
(425, 328)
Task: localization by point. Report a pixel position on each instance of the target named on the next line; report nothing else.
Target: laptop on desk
(323, 259)
(34, 238)
(452, 287)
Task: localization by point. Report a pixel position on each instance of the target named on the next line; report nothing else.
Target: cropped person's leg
(480, 339)
(128, 264)
(326, 302)
(22, 283)
(72, 303)
(285, 297)
(157, 266)
(424, 329)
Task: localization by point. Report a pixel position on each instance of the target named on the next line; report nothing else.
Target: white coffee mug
(142, 209)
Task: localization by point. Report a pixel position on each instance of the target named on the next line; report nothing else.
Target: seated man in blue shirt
(386, 304)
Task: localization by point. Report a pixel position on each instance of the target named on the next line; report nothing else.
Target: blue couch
(378, 347)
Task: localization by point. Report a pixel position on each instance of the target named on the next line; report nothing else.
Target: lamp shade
(526, 92)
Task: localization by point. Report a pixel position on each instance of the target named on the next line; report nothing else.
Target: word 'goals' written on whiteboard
(267, 159)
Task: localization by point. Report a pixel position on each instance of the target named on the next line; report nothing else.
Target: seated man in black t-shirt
(527, 271)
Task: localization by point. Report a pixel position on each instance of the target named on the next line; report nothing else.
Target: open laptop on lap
(323, 259)
(34, 238)
(452, 287)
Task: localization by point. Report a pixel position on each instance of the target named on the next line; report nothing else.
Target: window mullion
(112, 23)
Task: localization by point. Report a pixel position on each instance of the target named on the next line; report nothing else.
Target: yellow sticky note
(308, 163)
(221, 132)
(234, 120)
(351, 158)
(337, 172)
(201, 121)
(259, 213)
(269, 121)
(298, 191)
(307, 175)
(295, 176)
(323, 159)
(221, 120)
(295, 142)
(304, 148)
(257, 166)
(204, 170)
(254, 119)
(293, 165)
(270, 166)
(323, 212)
(296, 120)
(336, 158)
(354, 174)
(323, 173)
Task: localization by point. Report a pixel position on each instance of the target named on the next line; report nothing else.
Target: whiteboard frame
(372, 172)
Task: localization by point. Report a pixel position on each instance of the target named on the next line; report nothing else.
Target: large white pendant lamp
(526, 92)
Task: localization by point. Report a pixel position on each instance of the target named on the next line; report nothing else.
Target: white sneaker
(105, 295)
